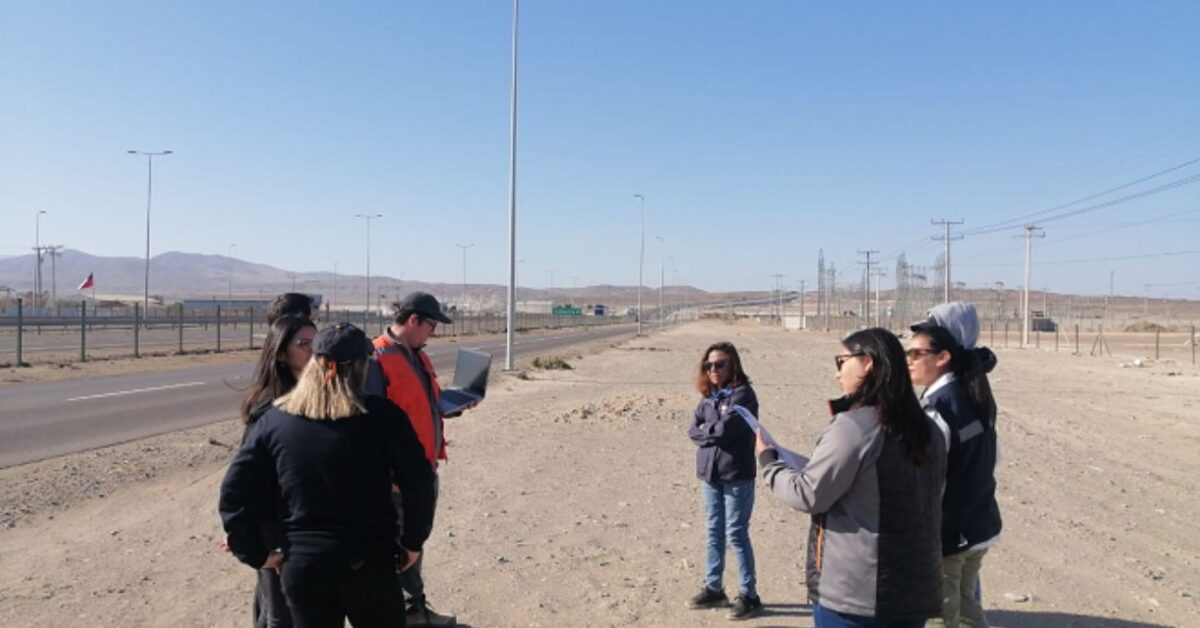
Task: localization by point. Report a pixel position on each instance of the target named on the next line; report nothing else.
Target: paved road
(39, 421)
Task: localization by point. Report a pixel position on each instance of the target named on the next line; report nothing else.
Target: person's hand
(410, 559)
(274, 561)
(760, 443)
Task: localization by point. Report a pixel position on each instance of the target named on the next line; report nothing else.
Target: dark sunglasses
(840, 359)
(714, 366)
(915, 353)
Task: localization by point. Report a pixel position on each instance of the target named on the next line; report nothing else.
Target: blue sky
(758, 132)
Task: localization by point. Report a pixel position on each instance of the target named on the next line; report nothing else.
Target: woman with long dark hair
(873, 487)
(332, 453)
(285, 352)
(725, 466)
(943, 358)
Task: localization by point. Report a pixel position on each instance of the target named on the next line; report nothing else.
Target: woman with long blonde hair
(331, 453)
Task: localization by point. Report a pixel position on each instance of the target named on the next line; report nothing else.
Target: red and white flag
(87, 283)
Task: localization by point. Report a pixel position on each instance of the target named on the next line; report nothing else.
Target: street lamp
(367, 309)
(511, 305)
(641, 261)
(150, 155)
(37, 251)
(464, 248)
(230, 296)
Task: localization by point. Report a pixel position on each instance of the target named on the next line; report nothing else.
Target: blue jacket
(970, 514)
(726, 443)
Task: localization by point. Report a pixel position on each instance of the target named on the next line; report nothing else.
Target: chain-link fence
(85, 332)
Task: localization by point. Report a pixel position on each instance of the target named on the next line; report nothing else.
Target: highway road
(39, 421)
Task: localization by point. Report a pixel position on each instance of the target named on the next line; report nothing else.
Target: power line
(1012, 222)
(1124, 199)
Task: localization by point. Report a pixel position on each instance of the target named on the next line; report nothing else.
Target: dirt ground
(570, 500)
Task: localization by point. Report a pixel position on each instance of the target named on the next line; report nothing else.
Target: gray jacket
(874, 546)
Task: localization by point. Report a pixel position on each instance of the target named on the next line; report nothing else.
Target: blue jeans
(825, 618)
(727, 509)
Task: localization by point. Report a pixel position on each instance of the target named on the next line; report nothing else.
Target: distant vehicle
(1043, 323)
(598, 310)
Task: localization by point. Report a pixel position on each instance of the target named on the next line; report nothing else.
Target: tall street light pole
(511, 306)
(641, 261)
(367, 304)
(229, 297)
(150, 155)
(37, 252)
(464, 248)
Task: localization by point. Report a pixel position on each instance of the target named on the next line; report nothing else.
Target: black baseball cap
(343, 343)
(425, 305)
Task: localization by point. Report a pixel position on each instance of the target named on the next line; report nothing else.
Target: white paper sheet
(789, 457)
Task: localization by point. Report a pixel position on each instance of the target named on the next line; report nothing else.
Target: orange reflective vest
(404, 388)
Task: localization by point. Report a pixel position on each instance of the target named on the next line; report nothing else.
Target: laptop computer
(470, 382)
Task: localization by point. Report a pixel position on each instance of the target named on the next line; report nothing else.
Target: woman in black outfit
(331, 454)
(285, 352)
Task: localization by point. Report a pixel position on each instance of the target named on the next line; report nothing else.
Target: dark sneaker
(707, 598)
(745, 607)
(420, 613)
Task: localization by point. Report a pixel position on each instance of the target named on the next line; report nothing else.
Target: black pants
(270, 607)
(323, 592)
(411, 584)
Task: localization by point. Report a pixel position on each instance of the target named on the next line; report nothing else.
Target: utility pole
(1031, 232)
(464, 248)
(641, 261)
(777, 298)
(867, 284)
(53, 252)
(661, 280)
(879, 273)
(947, 238)
(803, 315)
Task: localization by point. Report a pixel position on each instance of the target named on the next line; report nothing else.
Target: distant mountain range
(175, 276)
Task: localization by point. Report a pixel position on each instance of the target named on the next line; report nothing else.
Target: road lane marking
(137, 390)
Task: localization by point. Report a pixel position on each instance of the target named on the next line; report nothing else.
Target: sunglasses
(915, 354)
(714, 366)
(841, 358)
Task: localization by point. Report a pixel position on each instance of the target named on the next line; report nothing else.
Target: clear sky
(759, 132)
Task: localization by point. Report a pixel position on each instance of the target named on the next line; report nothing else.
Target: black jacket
(333, 480)
(970, 514)
(726, 442)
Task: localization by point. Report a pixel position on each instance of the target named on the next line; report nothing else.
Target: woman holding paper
(873, 487)
(725, 466)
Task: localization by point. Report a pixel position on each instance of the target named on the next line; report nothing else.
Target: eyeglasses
(303, 343)
(840, 359)
(916, 353)
(719, 365)
(432, 324)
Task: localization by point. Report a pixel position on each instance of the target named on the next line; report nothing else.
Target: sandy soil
(570, 500)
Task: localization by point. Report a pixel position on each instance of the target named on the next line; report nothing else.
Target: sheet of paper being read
(789, 457)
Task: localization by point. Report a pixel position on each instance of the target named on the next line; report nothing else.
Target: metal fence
(85, 332)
